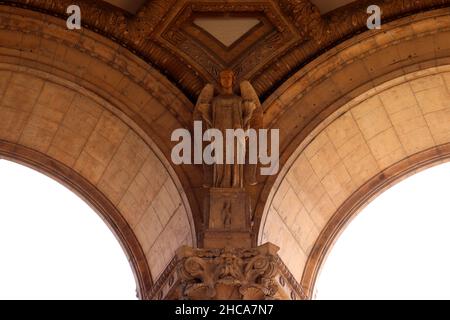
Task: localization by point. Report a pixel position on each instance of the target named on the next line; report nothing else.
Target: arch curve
(94, 198)
(362, 148)
(92, 142)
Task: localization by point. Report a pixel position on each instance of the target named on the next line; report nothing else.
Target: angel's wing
(249, 93)
(205, 97)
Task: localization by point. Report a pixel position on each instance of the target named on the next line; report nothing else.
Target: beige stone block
(397, 98)
(137, 199)
(434, 99)
(281, 193)
(323, 211)
(301, 228)
(154, 171)
(38, 133)
(134, 203)
(112, 128)
(124, 166)
(324, 160)
(273, 226)
(391, 158)
(316, 144)
(386, 148)
(427, 82)
(361, 165)
(158, 258)
(309, 240)
(439, 124)
(289, 207)
(148, 229)
(86, 105)
(338, 184)
(311, 192)
(53, 102)
(350, 145)
(418, 140)
(174, 192)
(179, 227)
(12, 122)
(163, 205)
(165, 242)
(101, 148)
(61, 155)
(372, 122)
(114, 182)
(342, 129)
(132, 153)
(89, 167)
(366, 107)
(81, 120)
(301, 170)
(68, 141)
(22, 92)
(407, 120)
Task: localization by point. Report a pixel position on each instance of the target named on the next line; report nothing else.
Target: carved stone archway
(82, 133)
(89, 100)
(361, 149)
(95, 199)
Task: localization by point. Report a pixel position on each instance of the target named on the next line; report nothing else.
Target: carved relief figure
(227, 110)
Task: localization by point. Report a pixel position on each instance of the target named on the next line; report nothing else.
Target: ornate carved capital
(228, 274)
(217, 274)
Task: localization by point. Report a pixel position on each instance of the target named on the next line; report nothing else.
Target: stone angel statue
(222, 109)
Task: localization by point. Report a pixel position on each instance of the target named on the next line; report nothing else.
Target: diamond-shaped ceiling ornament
(227, 30)
(212, 35)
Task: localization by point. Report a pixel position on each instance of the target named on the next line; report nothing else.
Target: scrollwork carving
(228, 273)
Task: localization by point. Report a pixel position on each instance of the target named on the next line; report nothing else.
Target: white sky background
(398, 247)
(53, 245)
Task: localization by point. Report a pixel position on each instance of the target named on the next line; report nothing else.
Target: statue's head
(227, 78)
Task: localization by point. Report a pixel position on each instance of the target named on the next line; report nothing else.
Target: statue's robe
(227, 113)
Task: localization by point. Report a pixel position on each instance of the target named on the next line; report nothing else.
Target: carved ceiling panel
(269, 38)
